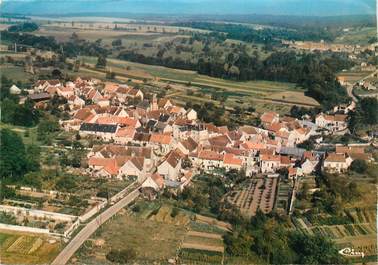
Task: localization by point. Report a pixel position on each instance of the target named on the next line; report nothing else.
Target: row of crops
(25, 245)
(199, 256)
(341, 231)
(349, 216)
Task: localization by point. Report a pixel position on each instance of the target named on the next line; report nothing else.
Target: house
(269, 118)
(65, 91)
(135, 93)
(191, 114)
(170, 167)
(14, 90)
(230, 161)
(337, 162)
(125, 135)
(94, 95)
(75, 102)
(42, 85)
(269, 163)
(152, 185)
(334, 123)
(162, 142)
(39, 97)
(309, 162)
(103, 167)
(207, 159)
(131, 167)
(187, 146)
(221, 140)
(85, 114)
(164, 103)
(104, 131)
(155, 181)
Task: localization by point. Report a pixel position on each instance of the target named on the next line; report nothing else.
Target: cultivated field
(255, 194)
(263, 95)
(358, 231)
(20, 248)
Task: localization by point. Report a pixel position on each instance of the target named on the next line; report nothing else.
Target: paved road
(91, 227)
(349, 88)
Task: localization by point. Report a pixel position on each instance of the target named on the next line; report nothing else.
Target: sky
(192, 7)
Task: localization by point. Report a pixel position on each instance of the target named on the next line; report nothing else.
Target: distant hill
(192, 7)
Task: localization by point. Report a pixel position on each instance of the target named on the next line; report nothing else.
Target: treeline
(314, 72)
(267, 237)
(24, 27)
(265, 35)
(73, 48)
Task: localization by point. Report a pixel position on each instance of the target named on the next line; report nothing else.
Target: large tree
(13, 161)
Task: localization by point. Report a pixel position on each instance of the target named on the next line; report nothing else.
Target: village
(158, 145)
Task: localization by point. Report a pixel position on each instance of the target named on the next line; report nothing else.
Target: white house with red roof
(269, 163)
(170, 167)
(333, 123)
(230, 161)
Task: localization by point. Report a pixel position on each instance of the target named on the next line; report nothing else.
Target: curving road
(91, 227)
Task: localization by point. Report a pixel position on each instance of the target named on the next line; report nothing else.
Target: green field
(263, 95)
(359, 36)
(16, 73)
(21, 248)
(21, 131)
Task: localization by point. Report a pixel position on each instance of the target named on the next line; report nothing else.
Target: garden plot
(201, 247)
(21, 248)
(255, 194)
(356, 228)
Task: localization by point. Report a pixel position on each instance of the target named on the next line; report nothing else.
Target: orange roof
(336, 117)
(161, 138)
(210, 155)
(332, 157)
(265, 157)
(117, 120)
(108, 164)
(110, 87)
(253, 145)
(302, 130)
(285, 160)
(175, 109)
(309, 155)
(158, 179)
(275, 127)
(268, 117)
(232, 160)
(282, 134)
(126, 132)
(349, 149)
(65, 89)
(83, 114)
(292, 171)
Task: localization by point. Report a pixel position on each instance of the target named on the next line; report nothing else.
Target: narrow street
(65, 255)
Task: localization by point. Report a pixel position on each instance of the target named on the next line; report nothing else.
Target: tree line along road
(91, 227)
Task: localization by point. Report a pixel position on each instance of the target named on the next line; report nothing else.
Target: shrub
(121, 256)
(136, 209)
(174, 212)
(359, 166)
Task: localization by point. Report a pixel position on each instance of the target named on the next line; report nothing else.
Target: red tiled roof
(265, 157)
(230, 159)
(161, 138)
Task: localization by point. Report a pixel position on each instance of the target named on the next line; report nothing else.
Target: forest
(265, 35)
